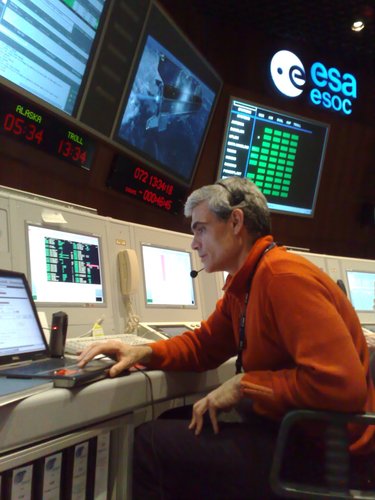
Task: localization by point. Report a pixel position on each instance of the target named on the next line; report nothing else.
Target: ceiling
(321, 24)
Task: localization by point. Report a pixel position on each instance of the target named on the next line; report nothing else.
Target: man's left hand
(224, 397)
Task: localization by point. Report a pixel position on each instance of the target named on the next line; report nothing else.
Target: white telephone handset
(129, 271)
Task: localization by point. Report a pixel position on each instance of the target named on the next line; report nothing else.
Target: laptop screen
(21, 336)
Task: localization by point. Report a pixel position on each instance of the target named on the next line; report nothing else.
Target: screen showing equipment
(282, 154)
(65, 267)
(167, 277)
(169, 101)
(362, 290)
(45, 47)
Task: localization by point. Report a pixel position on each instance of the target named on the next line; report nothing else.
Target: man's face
(214, 239)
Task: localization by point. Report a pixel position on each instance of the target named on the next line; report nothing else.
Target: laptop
(24, 351)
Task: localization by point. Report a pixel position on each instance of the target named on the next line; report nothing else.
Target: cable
(133, 319)
(89, 332)
(158, 462)
(148, 378)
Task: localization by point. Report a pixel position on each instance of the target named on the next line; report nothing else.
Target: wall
(347, 182)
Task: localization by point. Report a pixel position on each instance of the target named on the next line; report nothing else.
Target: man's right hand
(125, 355)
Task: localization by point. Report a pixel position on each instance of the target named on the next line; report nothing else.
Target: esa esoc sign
(330, 89)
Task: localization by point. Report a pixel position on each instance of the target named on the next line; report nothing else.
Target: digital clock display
(139, 181)
(22, 121)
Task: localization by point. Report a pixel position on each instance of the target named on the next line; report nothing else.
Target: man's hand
(224, 397)
(125, 355)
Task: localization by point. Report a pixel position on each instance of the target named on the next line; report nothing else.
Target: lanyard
(241, 343)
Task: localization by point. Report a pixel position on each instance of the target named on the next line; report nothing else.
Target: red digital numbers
(68, 149)
(153, 181)
(141, 175)
(158, 200)
(18, 126)
(23, 122)
(156, 183)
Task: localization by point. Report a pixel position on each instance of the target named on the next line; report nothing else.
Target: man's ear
(237, 217)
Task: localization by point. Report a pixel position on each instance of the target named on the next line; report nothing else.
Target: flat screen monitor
(361, 286)
(283, 154)
(169, 101)
(46, 45)
(358, 276)
(65, 267)
(167, 277)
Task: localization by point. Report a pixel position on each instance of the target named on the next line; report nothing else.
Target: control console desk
(53, 420)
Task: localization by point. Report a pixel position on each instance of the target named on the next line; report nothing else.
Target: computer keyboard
(77, 344)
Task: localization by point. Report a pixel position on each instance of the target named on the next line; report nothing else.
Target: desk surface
(57, 411)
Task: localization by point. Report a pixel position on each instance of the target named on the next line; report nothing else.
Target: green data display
(271, 163)
(282, 154)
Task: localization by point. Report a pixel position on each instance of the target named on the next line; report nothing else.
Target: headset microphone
(194, 273)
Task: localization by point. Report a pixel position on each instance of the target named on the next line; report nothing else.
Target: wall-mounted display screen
(169, 102)
(65, 267)
(45, 46)
(282, 154)
(167, 277)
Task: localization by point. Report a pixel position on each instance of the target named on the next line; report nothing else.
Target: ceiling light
(358, 26)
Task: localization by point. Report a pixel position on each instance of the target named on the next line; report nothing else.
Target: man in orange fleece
(298, 341)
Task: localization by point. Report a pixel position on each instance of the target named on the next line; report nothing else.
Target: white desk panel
(58, 411)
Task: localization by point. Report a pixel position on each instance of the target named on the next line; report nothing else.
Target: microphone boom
(194, 273)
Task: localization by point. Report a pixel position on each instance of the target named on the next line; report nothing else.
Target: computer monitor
(46, 46)
(359, 278)
(362, 290)
(167, 292)
(65, 267)
(59, 222)
(283, 154)
(169, 101)
(167, 277)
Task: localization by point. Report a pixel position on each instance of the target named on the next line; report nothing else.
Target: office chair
(343, 477)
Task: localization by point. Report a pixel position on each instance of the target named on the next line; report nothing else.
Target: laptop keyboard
(41, 366)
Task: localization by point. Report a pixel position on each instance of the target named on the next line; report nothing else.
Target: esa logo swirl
(330, 89)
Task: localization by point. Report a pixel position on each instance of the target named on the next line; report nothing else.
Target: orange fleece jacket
(304, 344)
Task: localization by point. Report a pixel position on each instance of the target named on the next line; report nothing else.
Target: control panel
(165, 330)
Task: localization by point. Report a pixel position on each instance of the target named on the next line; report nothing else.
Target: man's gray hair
(228, 194)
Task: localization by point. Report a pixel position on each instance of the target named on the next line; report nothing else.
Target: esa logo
(331, 89)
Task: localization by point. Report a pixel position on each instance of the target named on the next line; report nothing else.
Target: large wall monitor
(65, 267)
(120, 69)
(281, 153)
(46, 45)
(169, 101)
(359, 277)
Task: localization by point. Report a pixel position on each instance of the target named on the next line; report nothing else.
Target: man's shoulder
(284, 263)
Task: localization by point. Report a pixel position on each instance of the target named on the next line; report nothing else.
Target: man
(298, 343)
